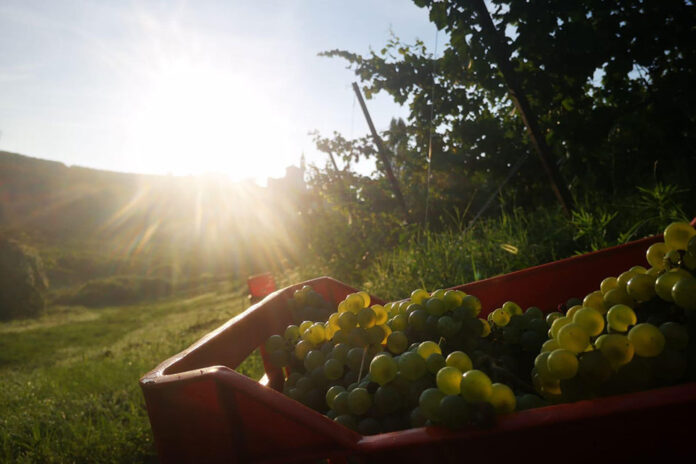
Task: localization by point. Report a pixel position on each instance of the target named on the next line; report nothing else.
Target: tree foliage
(610, 84)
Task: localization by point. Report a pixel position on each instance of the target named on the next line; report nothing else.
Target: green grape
(448, 379)
(333, 320)
(678, 234)
(439, 293)
(608, 284)
(369, 426)
(314, 359)
(641, 287)
(503, 399)
(304, 384)
(340, 352)
(435, 362)
(500, 317)
(454, 412)
(550, 317)
(548, 387)
(573, 337)
(447, 327)
(342, 308)
(292, 379)
(426, 348)
(429, 403)
(616, 348)
(419, 295)
(366, 299)
(676, 335)
(347, 321)
(417, 319)
(354, 359)
(559, 323)
(476, 386)
(596, 300)
(511, 335)
(571, 311)
(486, 327)
(672, 258)
(331, 394)
(473, 304)
(366, 318)
(549, 345)
(590, 319)
(417, 418)
(302, 348)
(620, 318)
(397, 342)
(358, 337)
(541, 366)
(638, 269)
(347, 421)
(435, 306)
(656, 255)
(624, 277)
(530, 401)
(689, 261)
(411, 365)
(460, 360)
(684, 293)
(381, 315)
(453, 298)
(359, 401)
(383, 369)
(279, 358)
(617, 296)
(411, 308)
(375, 335)
(329, 331)
(399, 322)
(292, 334)
(388, 400)
(512, 308)
(305, 325)
(593, 368)
(534, 313)
(354, 303)
(275, 343)
(647, 340)
(333, 369)
(387, 331)
(562, 364)
(665, 282)
(531, 340)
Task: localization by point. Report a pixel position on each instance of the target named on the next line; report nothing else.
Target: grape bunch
(431, 359)
(377, 368)
(630, 335)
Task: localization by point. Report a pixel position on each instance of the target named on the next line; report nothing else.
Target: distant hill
(88, 222)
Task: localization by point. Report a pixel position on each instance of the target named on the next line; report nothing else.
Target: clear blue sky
(189, 87)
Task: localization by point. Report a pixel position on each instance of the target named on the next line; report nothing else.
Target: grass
(69, 379)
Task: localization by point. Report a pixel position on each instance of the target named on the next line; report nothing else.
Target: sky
(190, 87)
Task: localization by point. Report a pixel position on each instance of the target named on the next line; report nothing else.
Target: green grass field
(69, 380)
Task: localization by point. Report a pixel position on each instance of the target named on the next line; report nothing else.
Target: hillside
(89, 223)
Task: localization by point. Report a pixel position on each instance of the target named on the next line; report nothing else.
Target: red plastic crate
(201, 410)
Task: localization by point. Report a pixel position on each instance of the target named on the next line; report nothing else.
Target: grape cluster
(632, 334)
(377, 368)
(432, 360)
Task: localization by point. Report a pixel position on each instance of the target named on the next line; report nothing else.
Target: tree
(610, 84)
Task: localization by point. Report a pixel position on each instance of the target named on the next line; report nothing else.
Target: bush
(22, 281)
(117, 291)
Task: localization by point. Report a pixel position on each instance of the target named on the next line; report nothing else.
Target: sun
(196, 118)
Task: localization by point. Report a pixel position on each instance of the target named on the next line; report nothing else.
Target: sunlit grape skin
(647, 340)
(678, 234)
(476, 386)
(448, 380)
